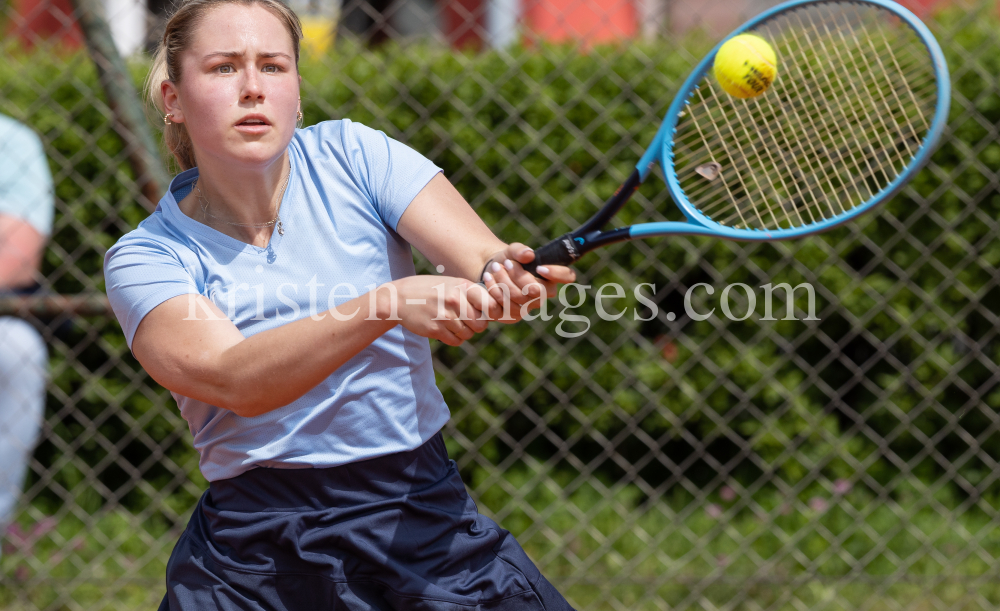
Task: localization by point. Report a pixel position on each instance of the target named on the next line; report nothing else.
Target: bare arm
(205, 356)
(445, 229)
(208, 359)
(21, 248)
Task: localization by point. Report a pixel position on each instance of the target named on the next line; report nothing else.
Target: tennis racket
(858, 104)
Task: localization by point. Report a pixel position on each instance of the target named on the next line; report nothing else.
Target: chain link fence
(841, 453)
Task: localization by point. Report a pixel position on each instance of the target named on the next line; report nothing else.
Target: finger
(502, 275)
(495, 309)
(553, 276)
(476, 300)
(559, 274)
(503, 309)
(466, 328)
(482, 301)
(535, 301)
(520, 253)
(527, 283)
(443, 334)
(462, 330)
(477, 296)
(458, 329)
(516, 314)
(476, 323)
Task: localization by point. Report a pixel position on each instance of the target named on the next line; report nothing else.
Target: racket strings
(857, 126)
(801, 121)
(847, 114)
(813, 165)
(882, 103)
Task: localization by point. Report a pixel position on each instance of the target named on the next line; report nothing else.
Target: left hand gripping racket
(859, 102)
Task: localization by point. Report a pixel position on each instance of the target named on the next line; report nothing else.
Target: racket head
(816, 149)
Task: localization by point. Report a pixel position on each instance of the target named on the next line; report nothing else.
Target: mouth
(253, 121)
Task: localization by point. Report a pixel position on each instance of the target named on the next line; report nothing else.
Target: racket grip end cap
(560, 251)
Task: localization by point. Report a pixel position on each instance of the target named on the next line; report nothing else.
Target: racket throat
(567, 248)
(612, 206)
(603, 238)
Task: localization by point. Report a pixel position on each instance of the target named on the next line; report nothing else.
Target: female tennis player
(273, 293)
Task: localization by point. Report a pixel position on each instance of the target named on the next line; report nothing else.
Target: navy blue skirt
(397, 532)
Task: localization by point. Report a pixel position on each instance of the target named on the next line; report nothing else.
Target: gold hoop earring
(299, 115)
(166, 118)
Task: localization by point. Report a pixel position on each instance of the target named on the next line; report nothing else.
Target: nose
(252, 90)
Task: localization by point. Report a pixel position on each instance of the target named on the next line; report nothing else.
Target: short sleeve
(140, 274)
(391, 172)
(25, 182)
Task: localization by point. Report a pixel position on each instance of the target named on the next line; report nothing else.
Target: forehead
(235, 27)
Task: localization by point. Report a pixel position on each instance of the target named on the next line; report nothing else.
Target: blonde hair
(177, 38)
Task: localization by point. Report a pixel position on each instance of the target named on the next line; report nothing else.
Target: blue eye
(226, 69)
(271, 69)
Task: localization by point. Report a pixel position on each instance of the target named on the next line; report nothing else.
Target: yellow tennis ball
(745, 66)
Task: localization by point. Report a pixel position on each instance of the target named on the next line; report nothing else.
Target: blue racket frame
(661, 148)
(568, 248)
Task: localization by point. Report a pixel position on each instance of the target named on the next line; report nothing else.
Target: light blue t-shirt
(25, 181)
(348, 187)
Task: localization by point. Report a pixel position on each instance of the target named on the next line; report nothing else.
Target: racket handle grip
(560, 251)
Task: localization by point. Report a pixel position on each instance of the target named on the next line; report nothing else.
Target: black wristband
(482, 273)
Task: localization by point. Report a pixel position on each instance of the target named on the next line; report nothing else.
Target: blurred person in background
(26, 208)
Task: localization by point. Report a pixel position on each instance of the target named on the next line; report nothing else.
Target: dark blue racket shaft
(567, 248)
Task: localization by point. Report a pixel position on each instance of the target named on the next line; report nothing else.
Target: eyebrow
(266, 55)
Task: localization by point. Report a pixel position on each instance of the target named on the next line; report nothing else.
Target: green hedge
(905, 351)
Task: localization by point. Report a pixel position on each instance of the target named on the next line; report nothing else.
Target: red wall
(590, 21)
(52, 21)
(465, 23)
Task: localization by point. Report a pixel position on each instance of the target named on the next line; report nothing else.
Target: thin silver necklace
(277, 216)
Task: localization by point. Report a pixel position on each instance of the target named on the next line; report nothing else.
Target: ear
(172, 101)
